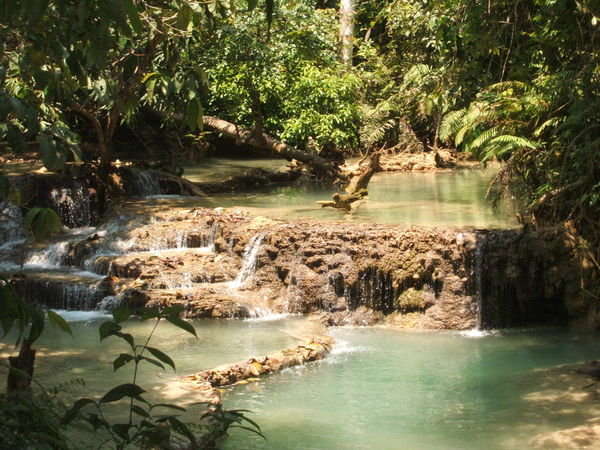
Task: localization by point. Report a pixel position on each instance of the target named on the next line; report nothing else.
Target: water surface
(455, 198)
(385, 389)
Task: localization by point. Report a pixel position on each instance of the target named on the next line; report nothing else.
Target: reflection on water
(83, 355)
(385, 389)
(424, 199)
(379, 388)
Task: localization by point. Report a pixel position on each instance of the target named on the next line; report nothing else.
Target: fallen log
(320, 166)
(313, 350)
(184, 184)
(356, 188)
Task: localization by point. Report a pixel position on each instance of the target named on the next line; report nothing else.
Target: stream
(380, 387)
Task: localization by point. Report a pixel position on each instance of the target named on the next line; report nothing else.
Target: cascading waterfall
(50, 257)
(11, 223)
(65, 295)
(478, 280)
(249, 261)
(72, 205)
(147, 183)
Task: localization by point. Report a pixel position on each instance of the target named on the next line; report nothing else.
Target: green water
(454, 198)
(385, 389)
(379, 389)
(62, 357)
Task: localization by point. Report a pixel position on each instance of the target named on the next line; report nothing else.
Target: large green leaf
(53, 156)
(178, 322)
(74, 410)
(161, 356)
(42, 222)
(134, 16)
(124, 390)
(121, 360)
(121, 314)
(58, 321)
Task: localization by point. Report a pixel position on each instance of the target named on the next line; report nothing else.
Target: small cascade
(373, 289)
(179, 240)
(64, 295)
(108, 303)
(147, 183)
(50, 257)
(478, 282)
(212, 237)
(11, 223)
(249, 261)
(72, 205)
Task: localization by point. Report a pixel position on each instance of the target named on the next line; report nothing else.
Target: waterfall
(249, 261)
(64, 295)
(478, 281)
(72, 205)
(50, 257)
(108, 303)
(147, 183)
(11, 223)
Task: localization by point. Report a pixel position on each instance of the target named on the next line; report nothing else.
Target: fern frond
(451, 123)
(480, 140)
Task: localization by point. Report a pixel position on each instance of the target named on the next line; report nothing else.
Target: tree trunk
(347, 11)
(321, 166)
(357, 188)
(20, 380)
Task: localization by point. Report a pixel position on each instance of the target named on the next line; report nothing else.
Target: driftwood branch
(357, 188)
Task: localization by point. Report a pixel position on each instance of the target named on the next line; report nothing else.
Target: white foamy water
(249, 261)
(264, 315)
(81, 316)
(49, 257)
(476, 333)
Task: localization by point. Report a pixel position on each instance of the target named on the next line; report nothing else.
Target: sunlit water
(379, 389)
(385, 389)
(454, 198)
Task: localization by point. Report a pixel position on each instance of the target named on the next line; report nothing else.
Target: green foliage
(42, 222)
(290, 76)
(28, 320)
(31, 421)
(155, 424)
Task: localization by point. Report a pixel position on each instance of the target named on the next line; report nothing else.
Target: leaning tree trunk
(347, 11)
(320, 166)
(356, 188)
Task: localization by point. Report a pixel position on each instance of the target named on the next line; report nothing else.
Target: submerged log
(356, 188)
(313, 350)
(321, 166)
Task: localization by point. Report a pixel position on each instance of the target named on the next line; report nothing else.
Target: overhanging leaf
(74, 410)
(124, 390)
(186, 326)
(121, 360)
(161, 356)
(57, 320)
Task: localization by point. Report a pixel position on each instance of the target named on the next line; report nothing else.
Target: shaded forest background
(512, 80)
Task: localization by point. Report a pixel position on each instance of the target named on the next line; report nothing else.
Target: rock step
(69, 290)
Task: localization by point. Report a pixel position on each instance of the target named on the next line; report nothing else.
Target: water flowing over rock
(146, 183)
(11, 223)
(249, 261)
(224, 264)
(72, 205)
(62, 291)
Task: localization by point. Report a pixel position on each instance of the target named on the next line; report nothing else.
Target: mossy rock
(411, 300)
